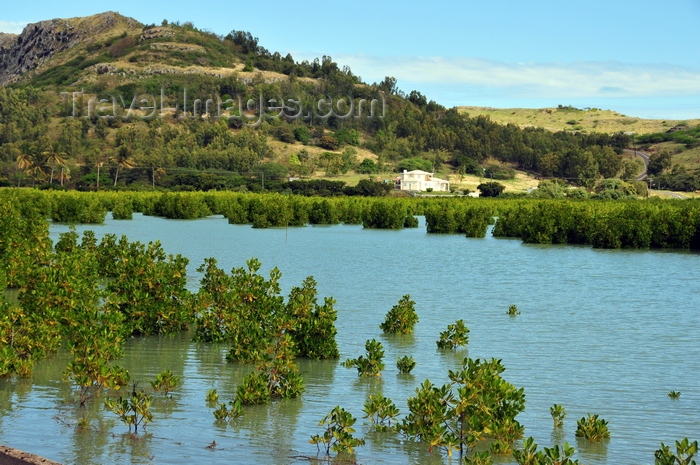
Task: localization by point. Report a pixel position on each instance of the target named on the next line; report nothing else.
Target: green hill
(106, 100)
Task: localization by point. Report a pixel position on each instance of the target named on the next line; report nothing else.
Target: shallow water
(606, 332)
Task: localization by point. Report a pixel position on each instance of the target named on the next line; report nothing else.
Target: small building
(419, 181)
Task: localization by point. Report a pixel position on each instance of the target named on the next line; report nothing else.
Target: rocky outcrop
(6, 40)
(40, 42)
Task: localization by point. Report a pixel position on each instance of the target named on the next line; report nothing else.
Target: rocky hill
(42, 45)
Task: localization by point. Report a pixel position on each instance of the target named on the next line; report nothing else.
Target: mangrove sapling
(402, 317)
(133, 410)
(381, 411)
(405, 364)
(212, 396)
(165, 381)
(230, 412)
(529, 455)
(478, 458)
(477, 404)
(685, 451)
(456, 335)
(675, 395)
(558, 413)
(337, 435)
(513, 310)
(592, 428)
(371, 364)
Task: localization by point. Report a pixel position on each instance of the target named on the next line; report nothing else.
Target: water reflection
(592, 452)
(136, 446)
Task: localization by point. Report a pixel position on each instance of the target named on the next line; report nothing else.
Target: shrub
(337, 436)
(329, 143)
(529, 455)
(133, 410)
(381, 411)
(592, 428)
(491, 189)
(405, 364)
(402, 317)
(301, 133)
(456, 335)
(685, 451)
(370, 364)
(477, 405)
(558, 414)
(367, 166)
(165, 381)
(123, 209)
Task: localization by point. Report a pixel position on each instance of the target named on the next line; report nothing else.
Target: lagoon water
(601, 332)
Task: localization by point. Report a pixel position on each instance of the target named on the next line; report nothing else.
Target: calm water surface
(606, 332)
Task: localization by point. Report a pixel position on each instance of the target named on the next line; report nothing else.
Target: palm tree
(37, 172)
(122, 159)
(99, 164)
(54, 158)
(24, 162)
(65, 174)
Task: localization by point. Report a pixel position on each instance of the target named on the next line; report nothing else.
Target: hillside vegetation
(107, 101)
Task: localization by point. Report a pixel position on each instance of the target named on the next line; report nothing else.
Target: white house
(418, 181)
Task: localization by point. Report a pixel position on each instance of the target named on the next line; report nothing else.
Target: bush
(329, 143)
(456, 335)
(371, 364)
(301, 133)
(123, 209)
(592, 428)
(402, 317)
(405, 364)
(367, 166)
(491, 189)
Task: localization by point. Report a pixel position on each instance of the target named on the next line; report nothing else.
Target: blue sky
(640, 58)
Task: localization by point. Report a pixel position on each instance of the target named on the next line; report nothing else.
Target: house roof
(417, 172)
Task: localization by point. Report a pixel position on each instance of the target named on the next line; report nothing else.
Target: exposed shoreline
(10, 456)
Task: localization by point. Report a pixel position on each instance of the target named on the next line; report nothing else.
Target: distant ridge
(568, 118)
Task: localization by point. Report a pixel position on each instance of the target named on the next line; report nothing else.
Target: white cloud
(532, 80)
(12, 27)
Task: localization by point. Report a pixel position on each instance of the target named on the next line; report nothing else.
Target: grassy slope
(593, 120)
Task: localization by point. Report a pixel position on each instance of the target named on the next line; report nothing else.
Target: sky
(640, 58)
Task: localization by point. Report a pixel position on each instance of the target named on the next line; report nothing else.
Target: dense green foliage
(592, 428)
(602, 224)
(614, 225)
(402, 317)
(247, 311)
(405, 364)
(476, 405)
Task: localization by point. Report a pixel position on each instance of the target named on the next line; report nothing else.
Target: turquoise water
(606, 332)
